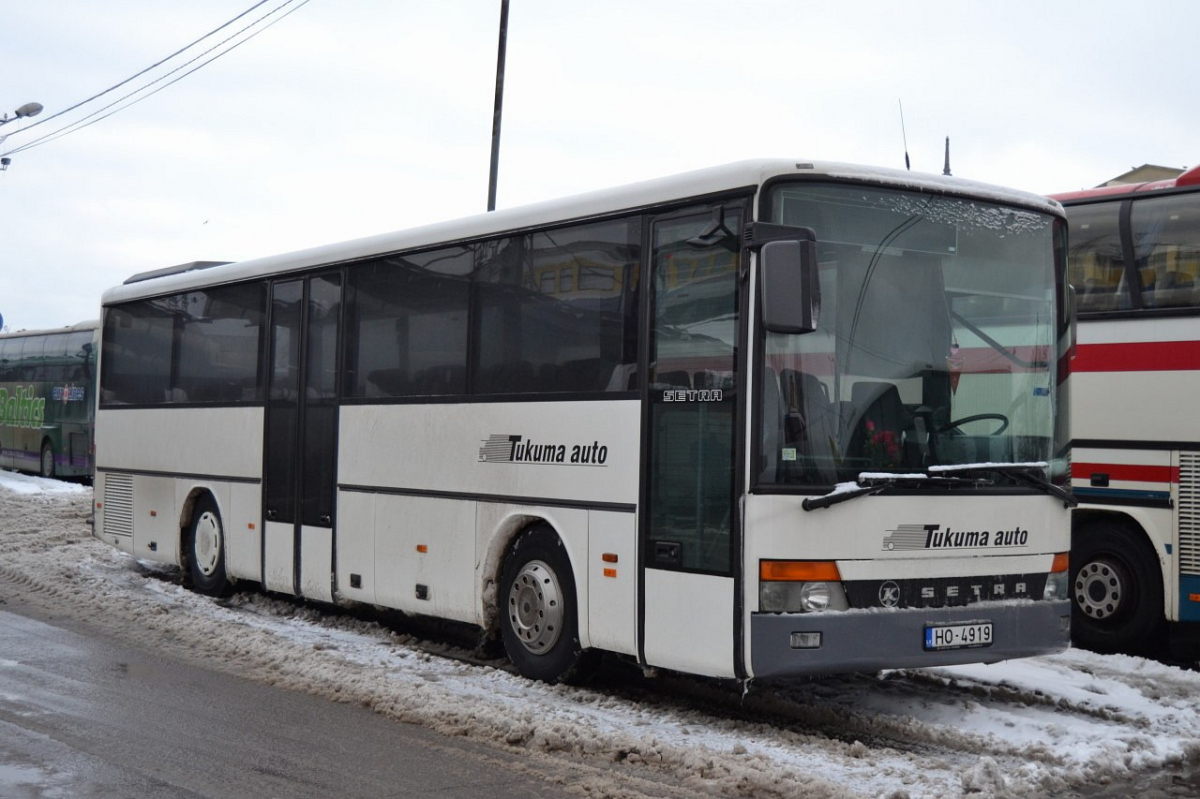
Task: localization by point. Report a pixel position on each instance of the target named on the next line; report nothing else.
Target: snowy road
(88, 715)
(1072, 724)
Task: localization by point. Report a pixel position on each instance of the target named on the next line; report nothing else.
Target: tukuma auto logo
(908, 537)
(504, 448)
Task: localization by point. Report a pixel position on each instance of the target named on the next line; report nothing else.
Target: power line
(82, 123)
(144, 71)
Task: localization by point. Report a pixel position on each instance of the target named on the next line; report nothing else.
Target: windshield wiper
(1032, 474)
(874, 482)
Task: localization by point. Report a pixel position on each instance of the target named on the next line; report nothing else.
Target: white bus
(761, 420)
(1135, 263)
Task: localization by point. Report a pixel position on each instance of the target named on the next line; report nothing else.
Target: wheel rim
(47, 462)
(535, 607)
(1101, 589)
(207, 543)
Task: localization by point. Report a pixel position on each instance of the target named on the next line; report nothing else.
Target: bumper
(895, 639)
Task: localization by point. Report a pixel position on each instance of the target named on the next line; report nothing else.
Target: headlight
(1057, 581)
(785, 597)
(800, 586)
(1056, 586)
(814, 596)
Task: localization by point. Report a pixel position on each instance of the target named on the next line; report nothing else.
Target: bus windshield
(936, 342)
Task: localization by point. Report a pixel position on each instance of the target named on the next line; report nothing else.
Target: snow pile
(1026, 728)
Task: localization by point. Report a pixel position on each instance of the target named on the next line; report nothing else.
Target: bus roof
(743, 174)
(1188, 178)
(90, 324)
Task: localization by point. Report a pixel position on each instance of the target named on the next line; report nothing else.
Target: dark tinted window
(693, 399)
(558, 310)
(1166, 241)
(80, 359)
(33, 367)
(219, 343)
(1097, 267)
(55, 358)
(199, 346)
(407, 324)
(10, 350)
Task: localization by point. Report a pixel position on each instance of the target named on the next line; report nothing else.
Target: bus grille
(118, 504)
(1189, 513)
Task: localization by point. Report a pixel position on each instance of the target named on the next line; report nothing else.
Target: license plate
(959, 636)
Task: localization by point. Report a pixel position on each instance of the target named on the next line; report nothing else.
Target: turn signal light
(1062, 562)
(799, 570)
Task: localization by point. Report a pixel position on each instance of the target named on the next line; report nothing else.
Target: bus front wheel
(1116, 591)
(47, 467)
(539, 616)
(206, 550)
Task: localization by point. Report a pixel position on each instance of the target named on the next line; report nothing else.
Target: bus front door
(300, 449)
(689, 530)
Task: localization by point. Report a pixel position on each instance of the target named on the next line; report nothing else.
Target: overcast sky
(355, 117)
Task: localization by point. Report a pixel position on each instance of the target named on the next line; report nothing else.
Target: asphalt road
(83, 715)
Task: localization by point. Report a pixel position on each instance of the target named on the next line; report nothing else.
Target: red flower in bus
(881, 447)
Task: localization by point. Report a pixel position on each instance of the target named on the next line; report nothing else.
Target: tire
(1116, 591)
(539, 622)
(46, 467)
(206, 550)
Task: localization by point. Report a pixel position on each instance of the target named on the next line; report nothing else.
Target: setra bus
(48, 400)
(760, 420)
(1135, 264)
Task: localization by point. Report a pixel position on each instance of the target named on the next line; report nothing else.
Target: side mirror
(791, 289)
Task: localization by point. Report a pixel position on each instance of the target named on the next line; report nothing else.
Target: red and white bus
(1135, 558)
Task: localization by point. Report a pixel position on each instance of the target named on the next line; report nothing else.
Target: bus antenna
(904, 135)
(946, 168)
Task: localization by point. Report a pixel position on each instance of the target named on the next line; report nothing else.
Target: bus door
(689, 526)
(300, 449)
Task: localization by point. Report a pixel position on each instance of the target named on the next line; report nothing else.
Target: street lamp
(27, 110)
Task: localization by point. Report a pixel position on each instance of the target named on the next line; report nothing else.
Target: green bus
(48, 400)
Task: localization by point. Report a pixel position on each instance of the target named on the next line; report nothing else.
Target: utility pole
(499, 105)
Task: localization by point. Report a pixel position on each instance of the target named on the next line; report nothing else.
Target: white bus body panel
(279, 573)
(865, 547)
(437, 448)
(444, 477)
(217, 442)
(1151, 406)
(193, 449)
(445, 528)
(689, 622)
(612, 585)
(316, 563)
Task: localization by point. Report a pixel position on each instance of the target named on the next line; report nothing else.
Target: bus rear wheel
(539, 616)
(1116, 591)
(47, 465)
(206, 550)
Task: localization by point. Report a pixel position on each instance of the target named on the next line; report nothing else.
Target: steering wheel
(979, 417)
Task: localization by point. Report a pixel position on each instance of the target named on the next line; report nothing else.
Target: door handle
(272, 514)
(325, 519)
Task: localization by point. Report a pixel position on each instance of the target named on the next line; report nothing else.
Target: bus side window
(1167, 248)
(7, 351)
(1096, 263)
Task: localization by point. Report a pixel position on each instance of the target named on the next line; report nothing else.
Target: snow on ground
(1041, 727)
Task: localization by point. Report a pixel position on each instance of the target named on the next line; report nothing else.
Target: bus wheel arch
(1116, 587)
(204, 545)
(538, 608)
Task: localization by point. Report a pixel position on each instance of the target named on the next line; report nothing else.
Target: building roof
(1145, 173)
